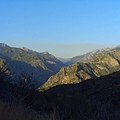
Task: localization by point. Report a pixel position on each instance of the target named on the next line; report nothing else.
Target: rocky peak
(4, 45)
(26, 49)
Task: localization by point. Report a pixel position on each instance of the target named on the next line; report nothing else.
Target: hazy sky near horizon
(65, 28)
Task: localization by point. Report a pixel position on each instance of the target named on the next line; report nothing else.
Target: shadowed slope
(101, 64)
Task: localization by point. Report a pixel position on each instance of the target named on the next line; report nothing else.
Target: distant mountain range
(4, 45)
(104, 63)
(86, 57)
(64, 60)
(23, 60)
(44, 67)
(89, 89)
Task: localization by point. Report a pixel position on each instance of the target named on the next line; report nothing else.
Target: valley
(86, 89)
(99, 65)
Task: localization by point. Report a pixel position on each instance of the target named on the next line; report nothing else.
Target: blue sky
(65, 28)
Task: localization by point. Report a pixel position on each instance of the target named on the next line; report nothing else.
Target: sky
(64, 28)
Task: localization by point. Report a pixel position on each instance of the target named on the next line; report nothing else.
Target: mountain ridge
(40, 65)
(101, 64)
(4, 45)
(86, 57)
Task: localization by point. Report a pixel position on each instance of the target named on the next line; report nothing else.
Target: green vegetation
(100, 65)
(96, 99)
(4, 71)
(32, 58)
(40, 65)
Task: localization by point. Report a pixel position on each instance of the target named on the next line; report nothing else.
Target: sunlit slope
(101, 64)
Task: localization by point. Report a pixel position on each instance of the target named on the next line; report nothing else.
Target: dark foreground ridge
(94, 99)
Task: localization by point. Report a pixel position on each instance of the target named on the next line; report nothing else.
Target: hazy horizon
(63, 28)
(76, 49)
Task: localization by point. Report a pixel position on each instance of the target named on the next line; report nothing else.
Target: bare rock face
(86, 57)
(4, 45)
